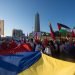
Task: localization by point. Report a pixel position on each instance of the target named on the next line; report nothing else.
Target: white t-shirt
(47, 51)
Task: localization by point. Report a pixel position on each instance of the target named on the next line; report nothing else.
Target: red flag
(73, 34)
(59, 27)
(52, 32)
(12, 44)
(36, 36)
(20, 48)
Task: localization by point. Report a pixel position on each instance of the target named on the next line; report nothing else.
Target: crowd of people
(62, 48)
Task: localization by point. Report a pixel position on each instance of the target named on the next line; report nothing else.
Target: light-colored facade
(1, 27)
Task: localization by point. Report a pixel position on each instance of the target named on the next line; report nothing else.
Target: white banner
(38, 34)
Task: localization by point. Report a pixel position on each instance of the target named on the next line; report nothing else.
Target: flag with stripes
(34, 63)
(62, 25)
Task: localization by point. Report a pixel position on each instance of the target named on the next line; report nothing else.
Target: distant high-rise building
(1, 27)
(37, 23)
(17, 33)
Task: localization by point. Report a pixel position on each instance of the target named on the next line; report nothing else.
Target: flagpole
(32, 32)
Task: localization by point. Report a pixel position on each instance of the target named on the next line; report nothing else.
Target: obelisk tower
(37, 23)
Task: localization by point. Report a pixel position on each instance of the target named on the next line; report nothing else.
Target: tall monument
(37, 23)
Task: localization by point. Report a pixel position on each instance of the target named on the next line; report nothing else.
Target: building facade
(17, 33)
(1, 27)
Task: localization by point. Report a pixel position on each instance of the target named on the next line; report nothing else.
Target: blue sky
(20, 14)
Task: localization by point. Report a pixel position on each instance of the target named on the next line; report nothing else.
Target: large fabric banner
(50, 66)
(34, 63)
(14, 64)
